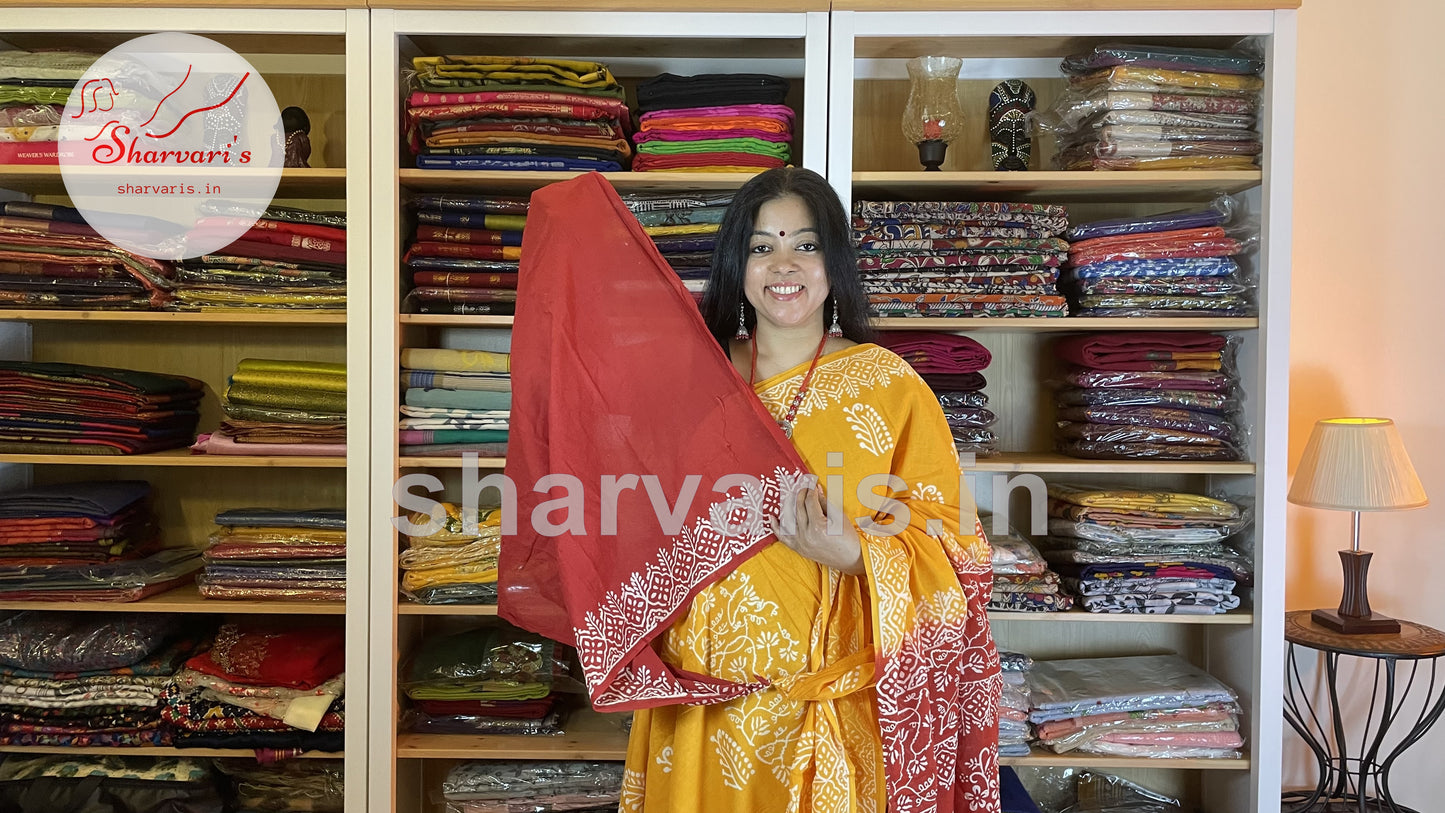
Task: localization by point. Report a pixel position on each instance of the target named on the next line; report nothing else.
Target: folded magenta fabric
(937, 352)
(1139, 351)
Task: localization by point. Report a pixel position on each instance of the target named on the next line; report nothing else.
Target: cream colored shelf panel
(1056, 187)
(450, 320)
(151, 751)
(405, 607)
(45, 179)
(229, 318)
(520, 183)
(1062, 5)
(590, 735)
(178, 457)
(612, 5)
(1062, 324)
(456, 462)
(1041, 758)
(186, 599)
(1051, 462)
(1243, 619)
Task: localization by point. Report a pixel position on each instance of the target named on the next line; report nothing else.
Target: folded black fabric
(97, 499)
(670, 91)
(331, 518)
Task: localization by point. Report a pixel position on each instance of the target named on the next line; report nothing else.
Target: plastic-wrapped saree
(763, 681)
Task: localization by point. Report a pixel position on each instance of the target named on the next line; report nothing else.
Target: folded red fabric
(260, 654)
(1140, 351)
(938, 352)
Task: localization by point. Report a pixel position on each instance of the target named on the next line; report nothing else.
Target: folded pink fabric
(1180, 739)
(938, 352)
(217, 443)
(776, 111)
(704, 135)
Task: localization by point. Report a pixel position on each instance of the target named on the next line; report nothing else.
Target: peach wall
(1368, 310)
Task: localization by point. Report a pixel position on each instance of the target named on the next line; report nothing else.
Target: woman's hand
(810, 538)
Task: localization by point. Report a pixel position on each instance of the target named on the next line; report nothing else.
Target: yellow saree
(882, 689)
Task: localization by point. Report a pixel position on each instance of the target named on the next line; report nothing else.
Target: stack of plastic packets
(1175, 264)
(455, 561)
(1126, 550)
(945, 258)
(493, 679)
(466, 254)
(289, 259)
(499, 787)
(34, 86)
(1143, 706)
(713, 123)
(1161, 396)
(457, 401)
(684, 228)
(1022, 580)
(277, 553)
(952, 367)
(1158, 107)
(516, 113)
(1013, 712)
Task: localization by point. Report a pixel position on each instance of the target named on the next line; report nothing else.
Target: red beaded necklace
(787, 422)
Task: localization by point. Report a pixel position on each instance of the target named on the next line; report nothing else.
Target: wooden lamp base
(1354, 616)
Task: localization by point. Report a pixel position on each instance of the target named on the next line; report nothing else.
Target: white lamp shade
(1356, 464)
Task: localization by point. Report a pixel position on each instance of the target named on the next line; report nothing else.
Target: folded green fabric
(291, 366)
(458, 399)
(277, 398)
(755, 146)
(475, 361)
(277, 379)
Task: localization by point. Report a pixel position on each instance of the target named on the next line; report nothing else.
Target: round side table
(1361, 783)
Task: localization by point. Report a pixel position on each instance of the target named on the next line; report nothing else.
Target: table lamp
(1356, 464)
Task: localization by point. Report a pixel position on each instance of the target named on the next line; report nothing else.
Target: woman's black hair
(730, 254)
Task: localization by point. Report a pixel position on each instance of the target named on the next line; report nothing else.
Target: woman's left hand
(810, 538)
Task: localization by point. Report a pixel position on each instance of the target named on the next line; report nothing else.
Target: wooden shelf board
(447, 462)
(1056, 187)
(45, 179)
(518, 183)
(972, 324)
(406, 607)
(590, 735)
(1084, 616)
(450, 320)
(186, 599)
(178, 457)
(265, 318)
(1042, 462)
(1043, 758)
(611, 5)
(1062, 5)
(151, 751)
(1045, 324)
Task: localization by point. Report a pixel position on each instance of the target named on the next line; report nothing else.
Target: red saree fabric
(615, 373)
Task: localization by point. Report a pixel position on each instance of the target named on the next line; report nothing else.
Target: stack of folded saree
(944, 258)
(34, 86)
(516, 113)
(1158, 107)
(494, 679)
(88, 679)
(952, 366)
(722, 122)
(457, 401)
(1176, 264)
(684, 228)
(1126, 550)
(282, 407)
(288, 258)
(1022, 579)
(88, 541)
(1142, 706)
(1013, 710)
(263, 684)
(262, 553)
(309, 785)
(507, 787)
(50, 257)
(1162, 396)
(457, 563)
(55, 408)
(465, 254)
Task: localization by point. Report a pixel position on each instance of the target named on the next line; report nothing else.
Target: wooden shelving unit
(186, 599)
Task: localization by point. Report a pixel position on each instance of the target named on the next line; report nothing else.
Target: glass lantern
(933, 117)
